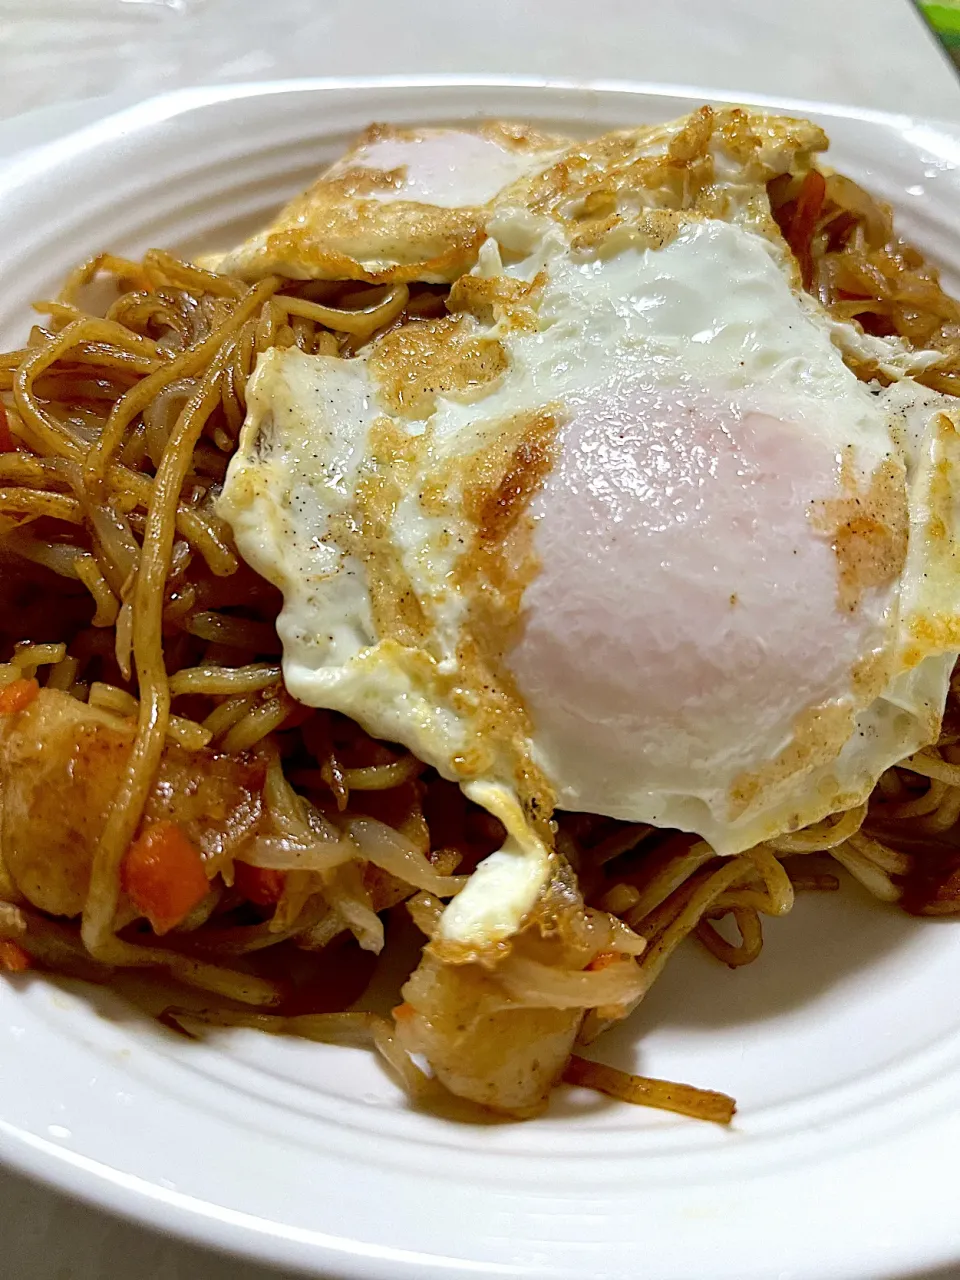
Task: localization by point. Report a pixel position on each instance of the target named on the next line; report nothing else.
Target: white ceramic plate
(842, 1044)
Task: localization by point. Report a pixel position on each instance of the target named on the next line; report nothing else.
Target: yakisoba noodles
(214, 829)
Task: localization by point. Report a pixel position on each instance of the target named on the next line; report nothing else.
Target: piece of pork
(61, 762)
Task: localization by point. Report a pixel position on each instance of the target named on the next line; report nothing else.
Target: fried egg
(402, 204)
(624, 533)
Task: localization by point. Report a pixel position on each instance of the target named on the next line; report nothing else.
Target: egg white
(448, 168)
(708, 326)
(400, 204)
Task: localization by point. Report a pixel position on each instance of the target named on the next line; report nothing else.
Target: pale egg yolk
(686, 608)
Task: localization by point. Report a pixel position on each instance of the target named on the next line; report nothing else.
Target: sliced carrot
(163, 875)
(804, 221)
(17, 695)
(13, 958)
(604, 959)
(258, 884)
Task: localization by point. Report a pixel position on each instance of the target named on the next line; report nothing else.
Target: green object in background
(944, 19)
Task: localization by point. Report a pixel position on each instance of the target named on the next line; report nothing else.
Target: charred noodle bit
(113, 440)
(642, 1091)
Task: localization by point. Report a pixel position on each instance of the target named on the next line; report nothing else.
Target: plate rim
(140, 1200)
(166, 106)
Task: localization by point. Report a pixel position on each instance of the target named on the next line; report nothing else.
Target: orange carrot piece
(13, 958)
(17, 695)
(163, 875)
(260, 885)
(809, 203)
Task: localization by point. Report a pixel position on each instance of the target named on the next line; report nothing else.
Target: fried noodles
(128, 615)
